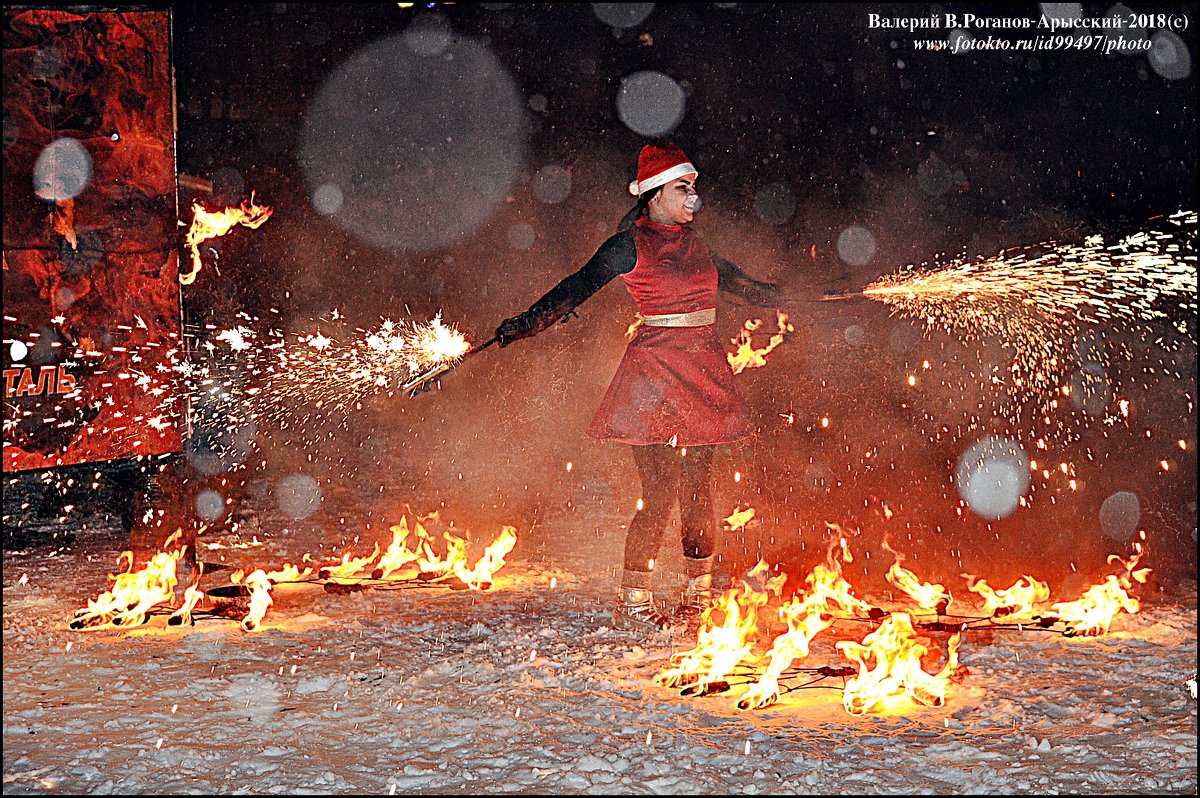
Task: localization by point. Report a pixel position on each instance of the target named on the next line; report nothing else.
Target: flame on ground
(934, 598)
(806, 618)
(480, 576)
(260, 599)
(807, 615)
(454, 562)
(896, 652)
(133, 593)
(1015, 601)
(398, 554)
(191, 597)
(349, 566)
(1093, 612)
(721, 646)
(287, 573)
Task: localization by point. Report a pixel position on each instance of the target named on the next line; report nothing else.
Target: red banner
(91, 292)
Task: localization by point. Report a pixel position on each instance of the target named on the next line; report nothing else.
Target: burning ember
(739, 518)
(746, 356)
(896, 652)
(212, 224)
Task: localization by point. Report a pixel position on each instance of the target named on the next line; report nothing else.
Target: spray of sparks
(244, 376)
(1036, 300)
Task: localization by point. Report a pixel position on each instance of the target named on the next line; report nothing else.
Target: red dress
(674, 385)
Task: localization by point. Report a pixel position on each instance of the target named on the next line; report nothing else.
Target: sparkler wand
(850, 295)
(1035, 300)
(422, 381)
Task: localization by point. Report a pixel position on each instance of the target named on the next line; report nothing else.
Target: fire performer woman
(672, 399)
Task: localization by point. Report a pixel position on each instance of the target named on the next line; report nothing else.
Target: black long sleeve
(734, 281)
(616, 256)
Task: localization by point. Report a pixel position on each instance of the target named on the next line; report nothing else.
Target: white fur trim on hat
(662, 178)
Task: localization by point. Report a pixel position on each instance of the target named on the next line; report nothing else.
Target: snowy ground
(526, 690)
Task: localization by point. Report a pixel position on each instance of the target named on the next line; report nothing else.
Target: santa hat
(658, 166)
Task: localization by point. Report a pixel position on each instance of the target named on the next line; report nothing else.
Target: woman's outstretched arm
(734, 281)
(617, 255)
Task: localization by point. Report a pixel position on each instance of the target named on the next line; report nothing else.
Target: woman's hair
(637, 211)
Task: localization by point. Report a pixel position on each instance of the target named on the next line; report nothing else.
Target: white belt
(697, 318)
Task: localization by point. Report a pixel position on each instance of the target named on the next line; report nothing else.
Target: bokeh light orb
(904, 337)
(521, 236)
(622, 15)
(856, 245)
(62, 170)
(992, 476)
(229, 187)
(959, 40)
(421, 132)
(818, 478)
(551, 184)
(650, 104)
(298, 496)
(1169, 56)
(210, 505)
(854, 335)
(1062, 12)
(64, 298)
(204, 459)
(1120, 514)
(934, 177)
(428, 34)
(327, 199)
(775, 203)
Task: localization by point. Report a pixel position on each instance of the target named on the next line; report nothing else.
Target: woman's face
(676, 202)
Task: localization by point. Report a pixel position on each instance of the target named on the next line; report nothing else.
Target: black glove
(514, 329)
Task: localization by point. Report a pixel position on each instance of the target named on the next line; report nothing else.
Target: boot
(698, 593)
(697, 596)
(635, 611)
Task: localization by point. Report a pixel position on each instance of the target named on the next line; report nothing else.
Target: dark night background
(802, 123)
